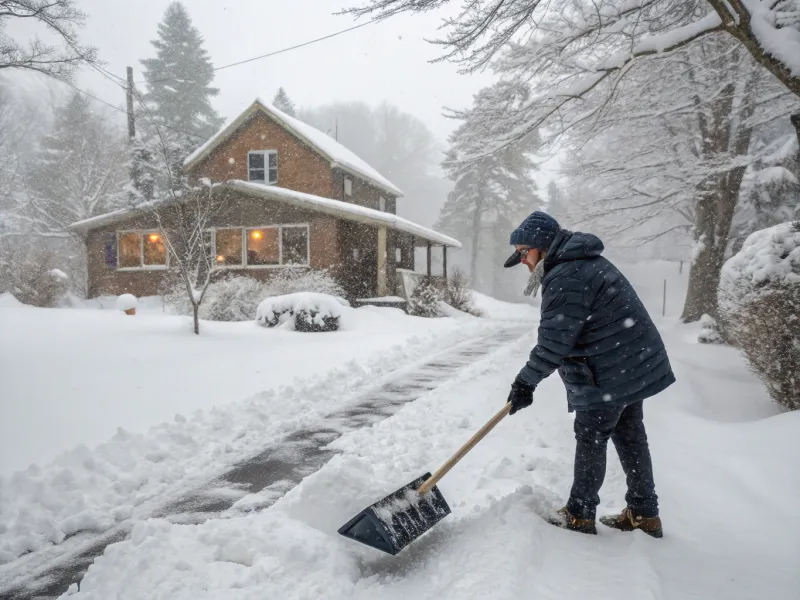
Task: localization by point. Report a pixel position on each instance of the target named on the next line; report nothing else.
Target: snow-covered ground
(725, 475)
(121, 412)
(723, 458)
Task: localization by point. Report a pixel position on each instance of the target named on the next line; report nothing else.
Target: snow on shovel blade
(394, 522)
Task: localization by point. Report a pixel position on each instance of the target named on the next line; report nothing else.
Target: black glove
(521, 395)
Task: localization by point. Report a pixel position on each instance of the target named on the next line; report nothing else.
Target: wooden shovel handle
(434, 479)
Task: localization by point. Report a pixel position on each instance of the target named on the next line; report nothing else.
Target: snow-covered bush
(709, 331)
(759, 307)
(29, 272)
(458, 295)
(232, 299)
(292, 281)
(311, 312)
(424, 302)
(236, 298)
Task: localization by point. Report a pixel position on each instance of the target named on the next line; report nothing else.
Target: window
(229, 247)
(398, 255)
(263, 247)
(382, 204)
(262, 166)
(155, 253)
(348, 187)
(141, 250)
(130, 251)
(259, 247)
(295, 245)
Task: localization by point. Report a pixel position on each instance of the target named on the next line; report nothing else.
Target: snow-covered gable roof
(336, 208)
(336, 153)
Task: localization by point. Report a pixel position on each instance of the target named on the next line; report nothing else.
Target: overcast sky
(382, 61)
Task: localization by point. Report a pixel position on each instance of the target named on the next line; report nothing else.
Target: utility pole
(129, 99)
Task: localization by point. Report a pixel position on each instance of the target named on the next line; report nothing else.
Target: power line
(274, 53)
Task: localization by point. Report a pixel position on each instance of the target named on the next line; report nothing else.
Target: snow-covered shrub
(709, 331)
(236, 297)
(311, 312)
(759, 305)
(292, 281)
(424, 302)
(29, 272)
(458, 295)
(232, 299)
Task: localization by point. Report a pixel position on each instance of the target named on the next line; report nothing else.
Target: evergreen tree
(492, 193)
(179, 88)
(424, 301)
(555, 206)
(283, 103)
(76, 170)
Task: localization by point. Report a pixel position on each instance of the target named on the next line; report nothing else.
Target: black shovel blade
(394, 522)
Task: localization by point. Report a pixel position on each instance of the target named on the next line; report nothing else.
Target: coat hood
(569, 245)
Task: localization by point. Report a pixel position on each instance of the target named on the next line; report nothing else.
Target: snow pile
(8, 300)
(497, 309)
(709, 332)
(498, 494)
(769, 257)
(126, 302)
(321, 308)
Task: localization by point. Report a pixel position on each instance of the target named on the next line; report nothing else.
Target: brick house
(294, 197)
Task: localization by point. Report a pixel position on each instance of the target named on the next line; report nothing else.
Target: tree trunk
(476, 232)
(796, 122)
(195, 310)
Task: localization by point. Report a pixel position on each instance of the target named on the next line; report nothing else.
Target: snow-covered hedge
(236, 298)
(759, 308)
(310, 311)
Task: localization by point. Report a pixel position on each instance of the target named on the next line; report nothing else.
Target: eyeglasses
(524, 252)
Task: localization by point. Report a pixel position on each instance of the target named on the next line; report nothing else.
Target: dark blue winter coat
(595, 330)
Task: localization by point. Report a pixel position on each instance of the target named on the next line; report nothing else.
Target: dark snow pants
(625, 427)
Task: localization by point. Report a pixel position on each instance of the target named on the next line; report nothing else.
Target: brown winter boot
(563, 518)
(628, 521)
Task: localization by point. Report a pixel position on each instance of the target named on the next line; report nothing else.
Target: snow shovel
(394, 522)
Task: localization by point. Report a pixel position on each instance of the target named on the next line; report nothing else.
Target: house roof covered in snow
(335, 208)
(339, 156)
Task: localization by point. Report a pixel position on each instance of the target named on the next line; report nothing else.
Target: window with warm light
(263, 247)
(155, 252)
(141, 250)
(228, 247)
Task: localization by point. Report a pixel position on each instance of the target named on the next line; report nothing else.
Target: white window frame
(245, 229)
(348, 186)
(266, 154)
(142, 266)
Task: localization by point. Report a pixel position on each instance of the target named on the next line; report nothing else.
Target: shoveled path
(275, 470)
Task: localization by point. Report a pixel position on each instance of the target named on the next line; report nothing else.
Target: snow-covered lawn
(725, 474)
(131, 410)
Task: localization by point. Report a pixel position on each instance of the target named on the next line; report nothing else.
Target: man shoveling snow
(598, 334)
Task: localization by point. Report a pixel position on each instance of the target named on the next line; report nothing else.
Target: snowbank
(7, 300)
(70, 379)
(497, 309)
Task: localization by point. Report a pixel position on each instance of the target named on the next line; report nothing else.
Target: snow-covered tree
(179, 91)
(664, 159)
(283, 103)
(574, 49)
(78, 169)
(492, 194)
(424, 301)
(59, 20)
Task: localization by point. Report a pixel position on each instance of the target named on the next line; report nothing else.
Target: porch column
(382, 261)
(444, 261)
(430, 246)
